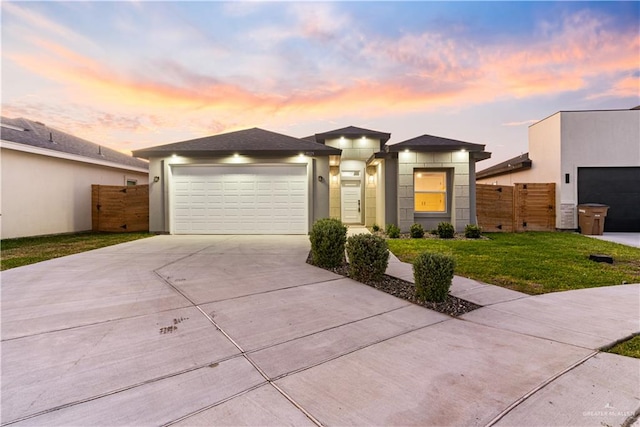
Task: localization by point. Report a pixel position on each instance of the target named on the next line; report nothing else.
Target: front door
(351, 202)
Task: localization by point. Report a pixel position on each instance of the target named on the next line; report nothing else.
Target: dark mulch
(453, 306)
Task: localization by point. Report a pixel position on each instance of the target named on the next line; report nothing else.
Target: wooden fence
(120, 208)
(523, 207)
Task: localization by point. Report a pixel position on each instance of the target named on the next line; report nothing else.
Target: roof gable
(247, 141)
(36, 134)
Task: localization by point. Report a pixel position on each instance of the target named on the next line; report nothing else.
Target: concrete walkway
(628, 239)
(239, 330)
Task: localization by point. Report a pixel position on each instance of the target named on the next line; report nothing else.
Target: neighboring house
(591, 156)
(259, 182)
(47, 176)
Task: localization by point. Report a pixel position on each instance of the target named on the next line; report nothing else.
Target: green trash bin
(591, 218)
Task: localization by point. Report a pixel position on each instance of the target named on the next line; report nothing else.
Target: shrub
(472, 232)
(393, 231)
(416, 231)
(368, 257)
(375, 227)
(433, 274)
(328, 237)
(445, 230)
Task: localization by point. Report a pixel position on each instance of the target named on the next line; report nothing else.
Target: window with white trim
(430, 191)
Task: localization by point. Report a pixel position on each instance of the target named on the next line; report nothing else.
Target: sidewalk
(586, 318)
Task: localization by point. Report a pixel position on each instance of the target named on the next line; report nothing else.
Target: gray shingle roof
(352, 132)
(521, 162)
(249, 141)
(39, 135)
(433, 143)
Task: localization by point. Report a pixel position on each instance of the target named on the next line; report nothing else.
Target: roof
(352, 132)
(521, 162)
(249, 141)
(433, 143)
(36, 134)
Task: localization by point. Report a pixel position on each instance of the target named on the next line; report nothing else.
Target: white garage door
(243, 199)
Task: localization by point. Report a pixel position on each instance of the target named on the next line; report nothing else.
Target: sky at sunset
(135, 74)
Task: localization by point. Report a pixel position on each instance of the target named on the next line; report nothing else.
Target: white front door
(351, 202)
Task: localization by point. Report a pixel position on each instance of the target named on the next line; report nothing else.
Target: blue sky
(135, 74)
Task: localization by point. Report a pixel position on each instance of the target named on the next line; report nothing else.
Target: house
(47, 175)
(261, 182)
(591, 156)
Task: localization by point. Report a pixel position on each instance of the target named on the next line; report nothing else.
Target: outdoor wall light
(156, 178)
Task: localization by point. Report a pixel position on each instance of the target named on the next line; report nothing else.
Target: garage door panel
(617, 187)
(245, 199)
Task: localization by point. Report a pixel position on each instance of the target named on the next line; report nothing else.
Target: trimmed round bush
(433, 274)
(393, 231)
(445, 230)
(472, 232)
(328, 237)
(368, 257)
(416, 231)
(375, 227)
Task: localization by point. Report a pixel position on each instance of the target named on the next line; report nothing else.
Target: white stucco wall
(47, 195)
(568, 140)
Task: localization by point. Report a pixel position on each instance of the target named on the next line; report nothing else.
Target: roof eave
(147, 154)
(504, 170)
(396, 148)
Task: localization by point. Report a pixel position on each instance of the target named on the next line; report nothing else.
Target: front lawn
(29, 250)
(630, 348)
(532, 262)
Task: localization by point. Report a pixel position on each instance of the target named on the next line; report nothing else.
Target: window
(132, 181)
(430, 191)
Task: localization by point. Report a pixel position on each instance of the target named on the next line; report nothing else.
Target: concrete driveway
(239, 330)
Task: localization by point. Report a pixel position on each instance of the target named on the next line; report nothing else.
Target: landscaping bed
(531, 262)
(453, 306)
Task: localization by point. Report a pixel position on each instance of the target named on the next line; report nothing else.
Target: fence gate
(494, 207)
(524, 207)
(120, 208)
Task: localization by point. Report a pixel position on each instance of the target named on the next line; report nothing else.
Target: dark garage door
(617, 187)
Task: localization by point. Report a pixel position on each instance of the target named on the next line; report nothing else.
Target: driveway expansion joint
(538, 388)
(244, 354)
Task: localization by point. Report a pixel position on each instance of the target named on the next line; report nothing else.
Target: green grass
(630, 348)
(29, 250)
(532, 262)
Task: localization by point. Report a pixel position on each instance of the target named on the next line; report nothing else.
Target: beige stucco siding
(47, 195)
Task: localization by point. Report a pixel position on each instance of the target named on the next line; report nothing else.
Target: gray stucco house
(259, 182)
